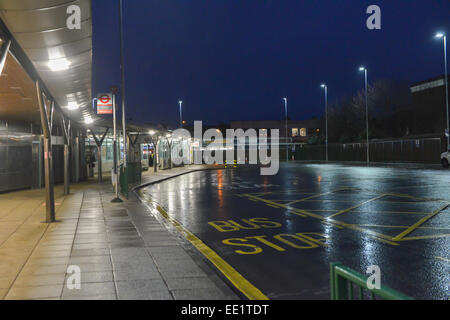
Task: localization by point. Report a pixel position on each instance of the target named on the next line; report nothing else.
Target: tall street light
(181, 114)
(326, 120)
(367, 113)
(441, 35)
(122, 74)
(286, 127)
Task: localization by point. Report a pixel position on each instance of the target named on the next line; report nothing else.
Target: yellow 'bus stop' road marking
(242, 284)
(300, 212)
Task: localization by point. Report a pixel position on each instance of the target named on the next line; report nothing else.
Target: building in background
(428, 112)
(298, 131)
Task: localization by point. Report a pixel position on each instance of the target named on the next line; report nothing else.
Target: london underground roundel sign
(104, 103)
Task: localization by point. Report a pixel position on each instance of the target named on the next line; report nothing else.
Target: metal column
(66, 135)
(122, 70)
(49, 192)
(155, 153)
(286, 128)
(99, 163)
(367, 118)
(446, 91)
(115, 151)
(76, 153)
(326, 123)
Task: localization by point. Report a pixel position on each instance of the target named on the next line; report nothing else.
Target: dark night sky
(236, 59)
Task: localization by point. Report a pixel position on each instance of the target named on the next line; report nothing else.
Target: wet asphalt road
(281, 232)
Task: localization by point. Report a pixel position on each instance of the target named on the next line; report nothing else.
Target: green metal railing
(343, 280)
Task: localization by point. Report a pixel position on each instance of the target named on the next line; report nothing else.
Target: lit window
(303, 132)
(295, 132)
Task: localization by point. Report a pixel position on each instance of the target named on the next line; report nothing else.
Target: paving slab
(143, 290)
(200, 294)
(27, 293)
(91, 289)
(122, 250)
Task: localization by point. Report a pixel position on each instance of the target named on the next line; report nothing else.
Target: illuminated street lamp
(286, 127)
(441, 35)
(326, 120)
(367, 112)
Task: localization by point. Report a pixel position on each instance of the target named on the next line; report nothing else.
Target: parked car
(445, 159)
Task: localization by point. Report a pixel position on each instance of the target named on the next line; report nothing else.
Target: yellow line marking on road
(403, 195)
(296, 191)
(433, 236)
(281, 200)
(263, 193)
(314, 196)
(323, 210)
(391, 212)
(329, 200)
(301, 212)
(403, 202)
(352, 200)
(399, 227)
(357, 206)
(442, 258)
(378, 236)
(227, 270)
(420, 222)
(297, 213)
(395, 194)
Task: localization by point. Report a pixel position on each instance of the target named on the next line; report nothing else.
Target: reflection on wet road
(281, 232)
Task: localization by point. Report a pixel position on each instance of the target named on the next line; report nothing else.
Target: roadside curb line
(174, 176)
(231, 274)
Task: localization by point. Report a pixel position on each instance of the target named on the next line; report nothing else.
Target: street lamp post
(181, 113)
(367, 113)
(286, 127)
(444, 37)
(115, 155)
(326, 120)
(122, 72)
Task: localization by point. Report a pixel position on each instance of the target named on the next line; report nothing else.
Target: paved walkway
(123, 252)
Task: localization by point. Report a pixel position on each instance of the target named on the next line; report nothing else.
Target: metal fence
(132, 174)
(425, 150)
(347, 284)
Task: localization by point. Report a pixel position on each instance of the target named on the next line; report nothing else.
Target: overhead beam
(99, 143)
(133, 142)
(5, 51)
